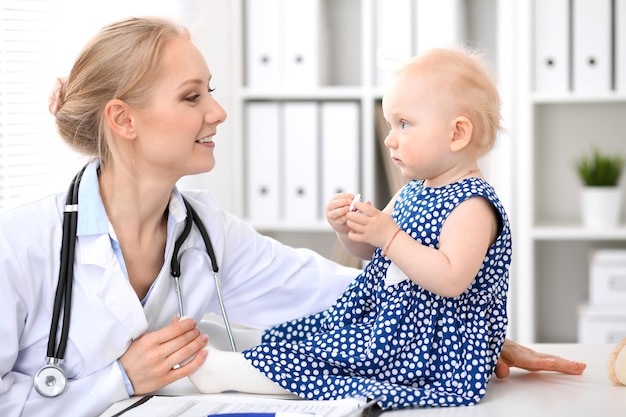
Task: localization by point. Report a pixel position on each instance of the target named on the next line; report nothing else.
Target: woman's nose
(215, 112)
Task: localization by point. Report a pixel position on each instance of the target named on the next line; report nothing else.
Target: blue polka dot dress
(388, 337)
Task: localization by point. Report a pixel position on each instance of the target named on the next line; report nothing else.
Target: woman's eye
(192, 98)
(210, 90)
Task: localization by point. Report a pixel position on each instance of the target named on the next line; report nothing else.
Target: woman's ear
(118, 117)
(462, 130)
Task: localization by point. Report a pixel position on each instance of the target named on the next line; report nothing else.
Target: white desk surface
(529, 394)
(543, 394)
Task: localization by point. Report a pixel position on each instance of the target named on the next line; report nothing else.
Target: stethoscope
(50, 380)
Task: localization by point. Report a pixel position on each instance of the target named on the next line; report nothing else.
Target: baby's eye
(403, 124)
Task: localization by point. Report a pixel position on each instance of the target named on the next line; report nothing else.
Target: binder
(264, 53)
(551, 45)
(438, 24)
(340, 161)
(592, 26)
(263, 153)
(393, 37)
(620, 46)
(302, 37)
(301, 172)
(284, 43)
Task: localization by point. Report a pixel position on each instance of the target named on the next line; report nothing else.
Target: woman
(137, 102)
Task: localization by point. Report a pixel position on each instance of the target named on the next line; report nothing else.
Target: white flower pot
(601, 206)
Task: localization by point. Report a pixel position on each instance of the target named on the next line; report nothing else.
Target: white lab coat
(263, 283)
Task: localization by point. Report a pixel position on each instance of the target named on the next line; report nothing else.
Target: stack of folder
(404, 28)
(284, 43)
(298, 155)
(579, 46)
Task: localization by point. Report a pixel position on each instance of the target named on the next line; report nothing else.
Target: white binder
(591, 47)
(551, 45)
(393, 36)
(303, 36)
(620, 46)
(264, 54)
(284, 43)
(340, 161)
(439, 24)
(301, 172)
(263, 154)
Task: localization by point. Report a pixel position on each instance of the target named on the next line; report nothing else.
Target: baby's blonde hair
(120, 61)
(464, 74)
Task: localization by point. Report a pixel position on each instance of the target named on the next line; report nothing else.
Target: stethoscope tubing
(63, 297)
(192, 217)
(50, 380)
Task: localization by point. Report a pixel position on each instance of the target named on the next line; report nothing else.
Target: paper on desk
(201, 405)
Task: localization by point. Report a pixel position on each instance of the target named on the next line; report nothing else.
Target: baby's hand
(355, 200)
(336, 209)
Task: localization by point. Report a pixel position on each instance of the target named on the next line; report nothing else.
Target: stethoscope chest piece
(50, 379)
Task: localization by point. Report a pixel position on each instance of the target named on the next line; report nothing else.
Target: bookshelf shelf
(323, 93)
(576, 232)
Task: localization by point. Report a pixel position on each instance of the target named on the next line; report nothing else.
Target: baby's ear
(616, 365)
(462, 130)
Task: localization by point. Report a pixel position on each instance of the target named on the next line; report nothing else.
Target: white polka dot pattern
(401, 342)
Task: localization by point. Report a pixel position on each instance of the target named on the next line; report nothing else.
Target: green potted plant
(600, 170)
(601, 196)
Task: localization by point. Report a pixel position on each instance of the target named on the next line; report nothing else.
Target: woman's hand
(516, 355)
(151, 361)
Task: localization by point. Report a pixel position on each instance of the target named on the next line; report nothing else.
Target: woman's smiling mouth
(207, 139)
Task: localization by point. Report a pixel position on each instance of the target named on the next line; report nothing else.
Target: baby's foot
(230, 371)
(209, 378)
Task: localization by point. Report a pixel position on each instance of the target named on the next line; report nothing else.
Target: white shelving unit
(552, 247)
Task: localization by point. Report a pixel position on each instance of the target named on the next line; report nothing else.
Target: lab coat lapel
(112, 286)
(159, 308)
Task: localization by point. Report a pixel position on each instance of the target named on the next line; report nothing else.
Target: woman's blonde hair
(121, 61)
(465, 75)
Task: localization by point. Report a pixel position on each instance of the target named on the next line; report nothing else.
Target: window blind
(39, 40)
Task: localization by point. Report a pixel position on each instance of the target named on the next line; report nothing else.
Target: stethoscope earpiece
(50, 380)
